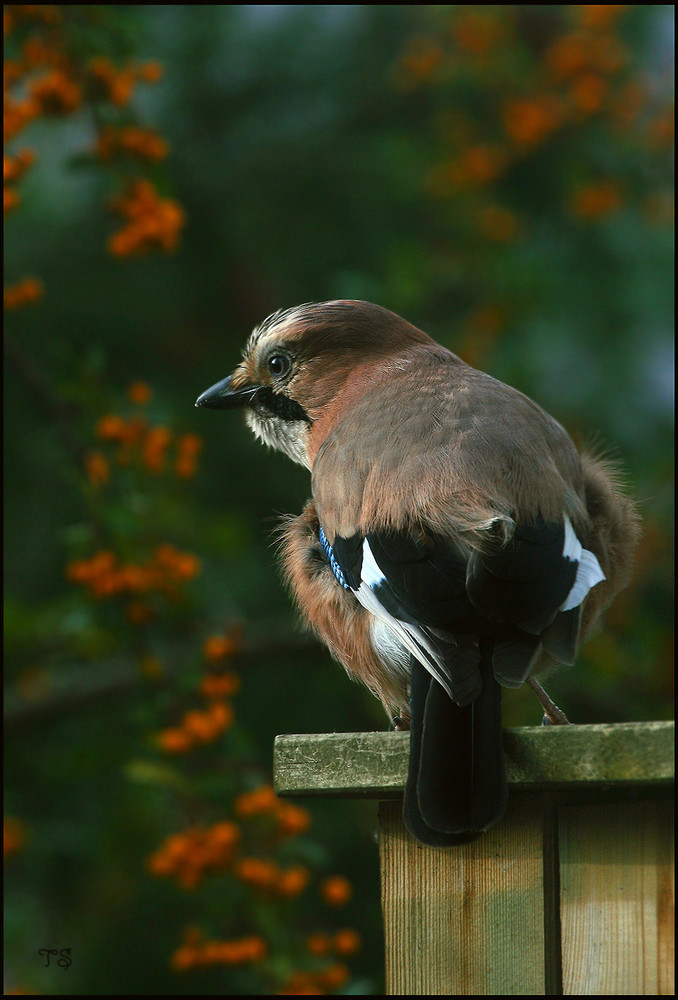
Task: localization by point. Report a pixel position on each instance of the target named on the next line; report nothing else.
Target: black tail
(456, 784)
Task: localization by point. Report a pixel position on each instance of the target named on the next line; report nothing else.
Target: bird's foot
(551, 720)
(398, 725)
(553, 716)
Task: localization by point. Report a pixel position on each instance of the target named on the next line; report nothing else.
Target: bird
(456, 543)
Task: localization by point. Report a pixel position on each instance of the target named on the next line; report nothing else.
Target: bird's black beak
(223, 396)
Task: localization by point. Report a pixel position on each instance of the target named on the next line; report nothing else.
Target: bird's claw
(553, 716)
(398, 725)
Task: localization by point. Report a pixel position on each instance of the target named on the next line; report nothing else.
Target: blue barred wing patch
(331, 558)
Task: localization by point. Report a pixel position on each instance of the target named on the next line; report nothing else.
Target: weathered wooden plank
(374, 765)
(368, 765)
(466, 921)
(616, 891)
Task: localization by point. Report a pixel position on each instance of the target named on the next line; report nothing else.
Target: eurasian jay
(454, 543)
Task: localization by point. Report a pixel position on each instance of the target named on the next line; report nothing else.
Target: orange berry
(292, 882)
(199, 726)
(154, 223)
(347, 942)
(185, 467)
(77, 570)
(190, 443)
(258, 872)
(174, 740)
(568, 55)
(154, 447)
(221, 714)
(102, 562)
(139, 393)
(220, 685)
(184, 958)
(261, 800)
(176, 845)
(596, 200)
(600, 15)
(137, 578)
(160, 864)
(318, 944)
(478, 165)
(13, 835)
(132, 140)
(218, 647)
(121, 87)
(302, 984)
(529, 121)
(11, 199)
(110, 427)
(336, 890)
(335, 975)
(187, 566)
(291, 819)
(188, 446)
(255, 948)
(15, 166)
(56, 93)
(96, 468)
(28, 290)
(588, 93)
(122, 244)
(226, 834)
(151, 71)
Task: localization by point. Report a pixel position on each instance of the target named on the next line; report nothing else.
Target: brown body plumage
(407, 442)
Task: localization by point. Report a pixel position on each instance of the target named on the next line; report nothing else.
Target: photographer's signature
(64, 960)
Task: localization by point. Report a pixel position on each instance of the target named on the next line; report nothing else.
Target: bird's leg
(399, 725)
(553, 716)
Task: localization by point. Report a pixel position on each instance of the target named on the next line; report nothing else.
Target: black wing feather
(487, 615)
(523, 581)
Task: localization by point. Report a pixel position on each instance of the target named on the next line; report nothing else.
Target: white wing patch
(589, 574)
(408, 636)
(572, 549)
(370, 572)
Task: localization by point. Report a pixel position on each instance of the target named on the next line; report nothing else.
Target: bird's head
(303, 366)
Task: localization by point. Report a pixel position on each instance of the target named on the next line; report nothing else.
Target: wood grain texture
(468, 920)
(571, 894)
(374, 765)
(617, 898)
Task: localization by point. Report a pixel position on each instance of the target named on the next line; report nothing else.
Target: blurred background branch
(76, 686)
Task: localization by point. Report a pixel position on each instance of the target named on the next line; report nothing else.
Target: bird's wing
(541, 570)
(417, 594)
(532, 586)
(436, 598)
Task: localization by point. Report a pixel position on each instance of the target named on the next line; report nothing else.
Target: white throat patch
(288, 436)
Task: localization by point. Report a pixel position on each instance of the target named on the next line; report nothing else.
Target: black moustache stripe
(278, 405)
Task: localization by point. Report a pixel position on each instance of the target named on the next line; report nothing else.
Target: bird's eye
(278, 365)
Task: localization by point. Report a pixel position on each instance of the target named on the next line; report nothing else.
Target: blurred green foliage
(500, 175)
